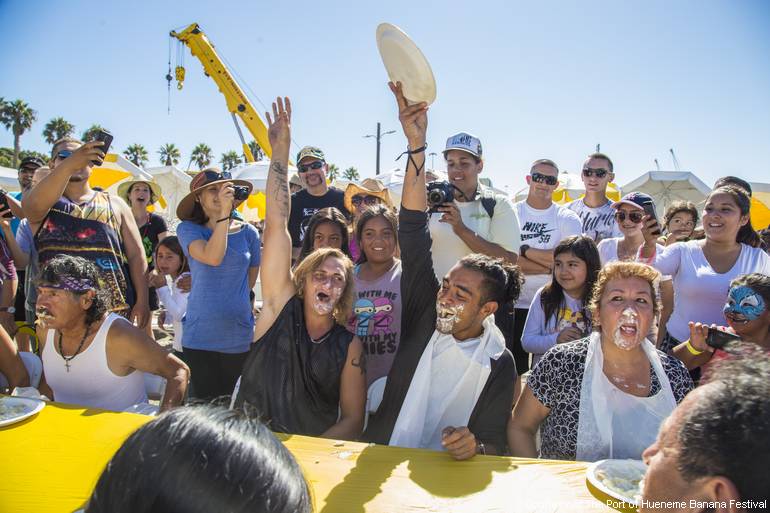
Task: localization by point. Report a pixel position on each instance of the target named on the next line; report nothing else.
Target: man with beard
(312, 167)
(69, 217)
(451, 386)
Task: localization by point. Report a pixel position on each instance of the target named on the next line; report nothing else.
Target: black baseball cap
(32, 161)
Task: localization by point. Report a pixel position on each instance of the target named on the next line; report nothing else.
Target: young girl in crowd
(376, 315)
(703, 269)
(747, 312)
(328, 228)
(558, 312)
(679, 222)
(359, 197)
(171, 262)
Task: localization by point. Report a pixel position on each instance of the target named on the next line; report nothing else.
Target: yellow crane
(237, 102)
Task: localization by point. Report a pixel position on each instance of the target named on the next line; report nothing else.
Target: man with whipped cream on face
(451, 386)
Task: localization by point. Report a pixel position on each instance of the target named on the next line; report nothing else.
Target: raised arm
(277, 286)
(414, 121)
(39, 200)
(137, 261)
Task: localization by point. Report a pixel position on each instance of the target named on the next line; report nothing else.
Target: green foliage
(201, 155)
(18, 117)
(169, 154)
(90, 134)
(332, 172)
(137, 154)
(56, 129)
(230, 160)
(351, 174)
(256, 151)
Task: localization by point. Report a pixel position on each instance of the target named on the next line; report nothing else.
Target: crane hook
(179, 77)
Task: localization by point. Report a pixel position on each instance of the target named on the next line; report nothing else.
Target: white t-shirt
(598, 223)
(542, 229)
(608, 250)
(502, 229)
(701, 292)
(540, 334)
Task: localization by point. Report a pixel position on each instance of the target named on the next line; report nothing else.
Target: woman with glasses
(359, 197)
(224, 255)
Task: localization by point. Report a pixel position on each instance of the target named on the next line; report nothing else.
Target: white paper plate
(623, 472)
(405, 63)
(16, 409)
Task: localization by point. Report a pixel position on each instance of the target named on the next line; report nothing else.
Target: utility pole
(432, 156)
(378, 137)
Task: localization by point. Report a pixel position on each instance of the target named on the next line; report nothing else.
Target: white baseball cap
(464, 142)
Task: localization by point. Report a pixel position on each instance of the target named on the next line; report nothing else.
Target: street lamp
(378, 137)
(432, 156)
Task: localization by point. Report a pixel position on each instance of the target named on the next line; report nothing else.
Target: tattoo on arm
(360, 363)
(280, 187)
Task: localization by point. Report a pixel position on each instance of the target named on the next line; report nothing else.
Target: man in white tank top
(93, 357)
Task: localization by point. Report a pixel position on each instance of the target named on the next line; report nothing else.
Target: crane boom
(237, 102)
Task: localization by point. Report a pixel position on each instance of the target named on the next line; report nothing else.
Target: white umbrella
(256, 173)
(174, 183)
(393, 180)
(665, 187)
(9, 179)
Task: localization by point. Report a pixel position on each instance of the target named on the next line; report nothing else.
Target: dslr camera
(240, 192)
(438, 193)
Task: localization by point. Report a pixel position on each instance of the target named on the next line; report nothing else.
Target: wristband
(223, 219)
(692, 349)
(414, 152)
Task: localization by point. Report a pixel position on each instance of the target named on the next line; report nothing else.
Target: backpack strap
(489, 203)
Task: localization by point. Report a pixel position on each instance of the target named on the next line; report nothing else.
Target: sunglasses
(364, 198)
(600, 173)
(63, 154)
(635, 217)
(213, 176)
(546, 179)
(304, 168)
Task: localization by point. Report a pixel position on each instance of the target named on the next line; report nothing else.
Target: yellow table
(50, 463)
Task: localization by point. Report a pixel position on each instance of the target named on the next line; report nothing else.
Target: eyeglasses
(63, 154)
(546, 179)
(213, 176)
(600, 173)
(635, 217)
(364, 198)
(303, 168)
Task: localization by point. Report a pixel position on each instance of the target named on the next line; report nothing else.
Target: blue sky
(531, 79)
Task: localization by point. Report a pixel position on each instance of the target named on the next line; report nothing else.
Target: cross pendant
(67, 365)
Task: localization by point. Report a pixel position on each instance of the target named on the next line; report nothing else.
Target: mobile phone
(105, 137)
(718, 338)
(649, 209)
(4, 204)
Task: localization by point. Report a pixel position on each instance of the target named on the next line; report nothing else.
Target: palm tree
(137, 154)
(332, 172)
(351, 174)
(90, 134)
(17, 116)
(230, 160)
(201, 155)
(169, 154)
(256, 151)
(56, 129)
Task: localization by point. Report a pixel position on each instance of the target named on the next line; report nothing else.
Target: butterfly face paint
(743, 304)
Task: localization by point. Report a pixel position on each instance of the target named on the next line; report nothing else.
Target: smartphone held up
(105, 137)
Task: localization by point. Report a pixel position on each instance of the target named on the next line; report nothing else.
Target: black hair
(172, 243)
(746, 233)
(201, 459)
(547, 162)
(325, 215)
(678, 207)
(552, 297)
(734, 180)
(502, 279)
(198, 216)
(153, 197)
(727, 430)
(598, 155)
(367, 215)
(78, 268)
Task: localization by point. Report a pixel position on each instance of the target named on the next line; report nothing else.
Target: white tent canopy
(256, 173)
(393, 180)
(9, 179)
(174, 184)
(665, 187)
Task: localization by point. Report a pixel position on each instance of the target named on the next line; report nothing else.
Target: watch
(523, 250)
(9, 309)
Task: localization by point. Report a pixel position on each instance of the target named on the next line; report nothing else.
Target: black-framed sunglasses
(365, 198)
(546, 179)
(63, 154)
(635, 217)
(213, 176)
(599, 173)
(303, 168)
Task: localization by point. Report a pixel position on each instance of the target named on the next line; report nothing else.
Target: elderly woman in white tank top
(92, 357)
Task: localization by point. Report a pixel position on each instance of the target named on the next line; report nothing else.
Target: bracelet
(414, 152)
(224, 219)
(692, 349)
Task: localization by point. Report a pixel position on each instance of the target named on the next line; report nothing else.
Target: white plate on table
(16, 409)
(620, 479)
(405, 63)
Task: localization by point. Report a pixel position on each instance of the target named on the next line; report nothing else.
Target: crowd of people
(456, 321)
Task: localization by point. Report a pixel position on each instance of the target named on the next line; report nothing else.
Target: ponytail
(502, 279)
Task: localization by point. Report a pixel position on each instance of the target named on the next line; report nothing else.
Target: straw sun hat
(125, 188)
(368, 187)
(206, 178)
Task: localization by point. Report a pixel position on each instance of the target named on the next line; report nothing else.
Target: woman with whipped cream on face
(603, 396)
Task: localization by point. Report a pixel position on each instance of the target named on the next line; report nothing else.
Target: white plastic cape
(445, 387)
(614, 424)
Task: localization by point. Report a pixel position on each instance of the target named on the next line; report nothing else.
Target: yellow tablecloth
(50, 463)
